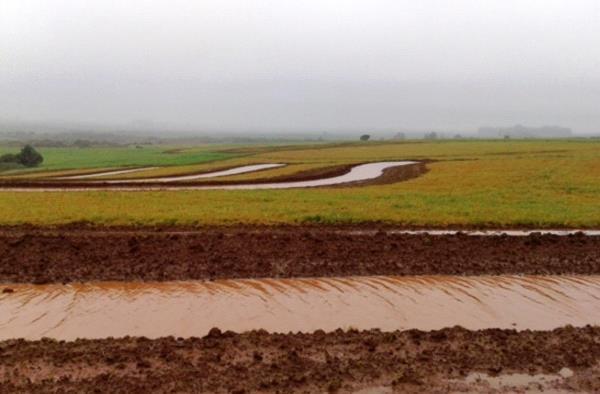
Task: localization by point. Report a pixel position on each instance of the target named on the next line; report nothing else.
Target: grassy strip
(74, 158)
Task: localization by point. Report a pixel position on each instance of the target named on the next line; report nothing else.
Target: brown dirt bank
(391, 175)
(42, 256)
(408, 361)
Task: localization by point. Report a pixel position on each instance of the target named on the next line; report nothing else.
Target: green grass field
(86, 158)
(471, 183)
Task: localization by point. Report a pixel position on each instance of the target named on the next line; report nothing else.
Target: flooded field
(358, 173)
(192, 308)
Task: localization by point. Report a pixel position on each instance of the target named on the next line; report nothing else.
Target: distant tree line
(520, 131)
(50, 143)
(28, 157)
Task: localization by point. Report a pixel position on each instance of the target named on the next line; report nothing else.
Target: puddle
(98, 310)
(518, 381)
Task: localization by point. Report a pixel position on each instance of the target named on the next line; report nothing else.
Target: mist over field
(292, 67)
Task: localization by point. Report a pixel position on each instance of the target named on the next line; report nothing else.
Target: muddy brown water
(155, 309)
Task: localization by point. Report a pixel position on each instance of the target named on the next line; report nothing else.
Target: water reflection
(281, 305)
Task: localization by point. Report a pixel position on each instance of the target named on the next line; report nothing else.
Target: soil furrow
(47, 256)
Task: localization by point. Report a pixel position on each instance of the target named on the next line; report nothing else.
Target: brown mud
(340, 361)
(447, 360)
(391, 175)
(75, 254)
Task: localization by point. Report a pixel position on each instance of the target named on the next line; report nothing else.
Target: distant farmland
(469, 183)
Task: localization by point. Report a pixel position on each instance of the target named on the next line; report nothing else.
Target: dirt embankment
(44, 256)
(408, 361)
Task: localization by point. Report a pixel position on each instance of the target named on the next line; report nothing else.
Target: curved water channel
(106, 173)
(155, 309)
(358, 173)
(213, 174)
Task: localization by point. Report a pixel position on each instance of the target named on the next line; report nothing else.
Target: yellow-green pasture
(471, 183)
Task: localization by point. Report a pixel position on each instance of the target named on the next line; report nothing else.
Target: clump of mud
(344, 361)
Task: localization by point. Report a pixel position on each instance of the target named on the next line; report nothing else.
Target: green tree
(365, 137)
(29, 157)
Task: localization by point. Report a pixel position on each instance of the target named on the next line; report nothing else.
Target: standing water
(155, 309)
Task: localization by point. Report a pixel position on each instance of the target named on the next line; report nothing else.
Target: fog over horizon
(288, 66)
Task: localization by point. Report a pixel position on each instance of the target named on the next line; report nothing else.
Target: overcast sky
(304, 64)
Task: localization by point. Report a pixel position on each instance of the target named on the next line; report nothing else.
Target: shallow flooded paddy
(155, 309)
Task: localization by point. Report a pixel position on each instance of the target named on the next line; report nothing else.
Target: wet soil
(38, 255)
(257, 361)
(407, 361)
(391, 175)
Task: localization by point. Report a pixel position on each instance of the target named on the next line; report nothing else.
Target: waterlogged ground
(315, 295)
(184, 309)
(379, 362)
